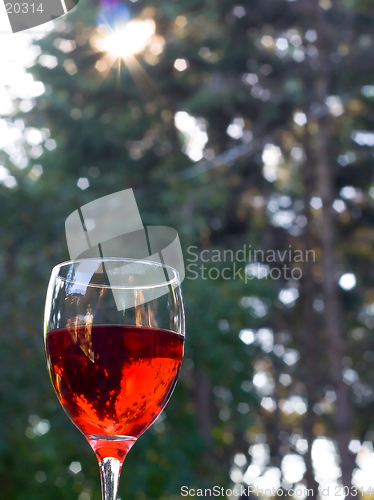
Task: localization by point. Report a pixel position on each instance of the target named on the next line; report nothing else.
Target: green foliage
(117, 129)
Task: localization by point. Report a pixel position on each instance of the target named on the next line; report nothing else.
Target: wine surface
(113, 381)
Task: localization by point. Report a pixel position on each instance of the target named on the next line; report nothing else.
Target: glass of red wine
(114, 337)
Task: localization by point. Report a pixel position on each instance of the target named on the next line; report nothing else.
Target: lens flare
(129, 40)
(120, 41)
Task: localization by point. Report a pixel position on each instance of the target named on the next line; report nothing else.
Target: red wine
(113, 381)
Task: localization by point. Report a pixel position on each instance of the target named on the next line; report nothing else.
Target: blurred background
(237, 124)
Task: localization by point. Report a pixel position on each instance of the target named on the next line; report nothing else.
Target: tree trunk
(311, 338)
(333, 318)
(203, 403)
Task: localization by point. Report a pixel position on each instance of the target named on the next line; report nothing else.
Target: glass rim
(175, 281)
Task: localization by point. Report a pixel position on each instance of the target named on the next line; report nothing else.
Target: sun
(129, 40)
(124, 43)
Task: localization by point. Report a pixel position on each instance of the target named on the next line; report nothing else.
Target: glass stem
(110, 470)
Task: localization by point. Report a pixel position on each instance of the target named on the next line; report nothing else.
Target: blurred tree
(272, 105)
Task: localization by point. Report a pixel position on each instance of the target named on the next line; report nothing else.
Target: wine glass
(114, 337)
